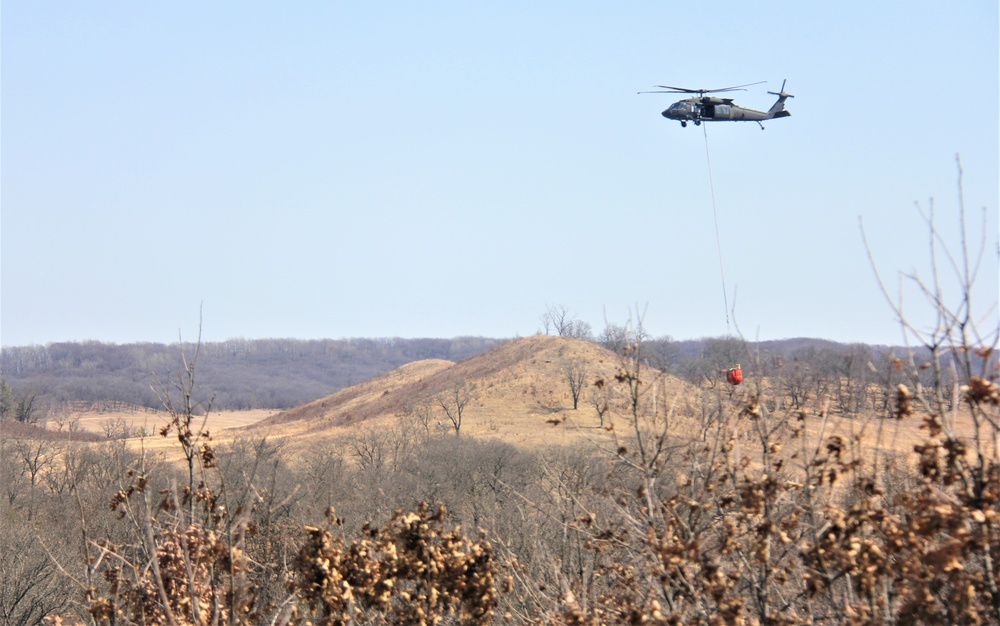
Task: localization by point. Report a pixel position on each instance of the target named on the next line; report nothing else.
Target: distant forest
(241, 373)
(283, 373)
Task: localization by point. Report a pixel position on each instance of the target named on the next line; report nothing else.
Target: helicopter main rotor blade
(678, 89)
(740, 87)
(687, 90)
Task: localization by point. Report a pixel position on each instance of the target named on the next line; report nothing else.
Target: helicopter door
(723, 111)
(708, 111)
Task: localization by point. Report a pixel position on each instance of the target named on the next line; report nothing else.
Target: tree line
(38, 381)
(243, 373)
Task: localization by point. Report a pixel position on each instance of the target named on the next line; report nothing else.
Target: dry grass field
(152, 421)
(519, 393)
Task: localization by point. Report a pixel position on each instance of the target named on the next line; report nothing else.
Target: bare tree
(555, 318)
(612, 337)
(184, 410)
(24, 411)
(370, 448)
(560, 319)
(575, 373)
(118, 428)
(454, 402)
(36, 457)
(600, 398)
(6, 400)
(422, 413)
(31, 587)
(19, 404)
(852, 378)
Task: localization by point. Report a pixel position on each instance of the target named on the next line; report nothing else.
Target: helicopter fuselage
(702, 108)
(709, 109)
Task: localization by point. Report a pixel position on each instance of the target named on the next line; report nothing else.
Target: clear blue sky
(435, 169)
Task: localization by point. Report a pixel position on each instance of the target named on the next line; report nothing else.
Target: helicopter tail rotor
(782, 93)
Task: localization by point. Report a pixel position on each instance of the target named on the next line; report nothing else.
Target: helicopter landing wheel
(697, 122)
(684, 124)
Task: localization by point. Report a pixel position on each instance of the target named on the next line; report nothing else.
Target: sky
(438, 169)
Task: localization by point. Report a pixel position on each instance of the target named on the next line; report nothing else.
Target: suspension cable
(718, 240)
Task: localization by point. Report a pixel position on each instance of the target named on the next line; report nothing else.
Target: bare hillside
(519, 391)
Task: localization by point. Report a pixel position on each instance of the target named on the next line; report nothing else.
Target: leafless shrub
(413, 571)
(118, 428)
(31, 587)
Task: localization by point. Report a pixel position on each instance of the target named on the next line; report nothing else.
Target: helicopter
(702, 108)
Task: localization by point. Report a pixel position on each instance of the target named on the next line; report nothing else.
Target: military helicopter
(704, 108)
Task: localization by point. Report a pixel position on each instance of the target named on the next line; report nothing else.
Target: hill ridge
(520, 387)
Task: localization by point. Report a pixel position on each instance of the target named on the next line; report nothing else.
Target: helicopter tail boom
(778, 108)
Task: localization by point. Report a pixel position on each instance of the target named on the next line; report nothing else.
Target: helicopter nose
(666, 113)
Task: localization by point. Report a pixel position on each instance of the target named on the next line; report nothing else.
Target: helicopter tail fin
(778, 108)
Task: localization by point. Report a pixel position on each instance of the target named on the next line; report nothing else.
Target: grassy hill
(519, 391)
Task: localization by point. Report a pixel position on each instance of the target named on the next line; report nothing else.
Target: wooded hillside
(242, 373)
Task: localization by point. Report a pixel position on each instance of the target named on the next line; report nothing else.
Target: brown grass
(523, 398)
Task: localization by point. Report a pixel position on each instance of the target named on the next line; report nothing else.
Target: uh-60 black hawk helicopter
(704, 108)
